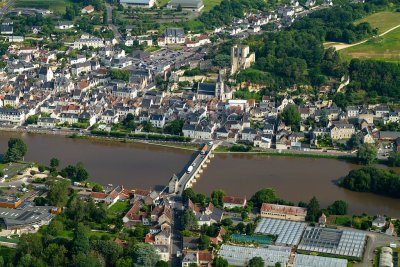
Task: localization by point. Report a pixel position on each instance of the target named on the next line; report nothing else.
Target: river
(146, 166)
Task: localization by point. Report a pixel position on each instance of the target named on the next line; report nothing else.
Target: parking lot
(12, 169)
(384, 149)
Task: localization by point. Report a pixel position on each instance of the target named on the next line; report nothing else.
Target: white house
(157, 120)
(174, 36)
(12, 116)
(65, 25)
(87, 9)
(138, 3)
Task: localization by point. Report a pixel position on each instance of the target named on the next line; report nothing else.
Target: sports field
(57, 6)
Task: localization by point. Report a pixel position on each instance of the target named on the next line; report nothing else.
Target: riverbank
(189, 146)
(291, 153)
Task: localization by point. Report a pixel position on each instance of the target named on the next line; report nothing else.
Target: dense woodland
(374, 180)
(375, 77)
(336, 24)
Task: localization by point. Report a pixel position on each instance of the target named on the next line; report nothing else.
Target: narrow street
(114, 28)
(176, 238)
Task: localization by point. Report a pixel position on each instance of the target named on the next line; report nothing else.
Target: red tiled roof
(289, 210)
(133, 213)
(119, 242)
(234, 200)
(89, 8)
(205, 256)
(83, 84)
(149, 238)
(142, 192)
(98, 195)
(125, 193)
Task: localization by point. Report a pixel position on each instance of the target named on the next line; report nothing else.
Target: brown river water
(148, 166)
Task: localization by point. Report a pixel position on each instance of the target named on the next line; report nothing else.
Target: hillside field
(382, 20)
(386, 48)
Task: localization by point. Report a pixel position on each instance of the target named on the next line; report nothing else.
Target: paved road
(117, 34)
(176, 238)
(6, 6)
(196, 163)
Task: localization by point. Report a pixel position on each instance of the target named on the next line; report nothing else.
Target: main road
(6, 6)
(196, 163)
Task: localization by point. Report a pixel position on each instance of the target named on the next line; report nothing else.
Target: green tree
(33, 119)
(266, 195)
(291, 116)
(220, 262)
(119, 74)
(54, 163)
(189, 220)
(375, 180)
(129, 122)
(69, 172)
(105, 17)
(256, 262)
(250, 228)
(354, 142)
(97, 188)
(313, 210)
(394, 159)
(148, 127)
(81, 173)
(339, 207)
(124, 262)
(162, 264)
(55, 255)
(109, 249)
(367, 153)
(244, 215)
(222, 60)
(227, 222)
(174, 127)
(85, 260)
(204, 242)
(80, 241)
(187, 194)
(55, 228)
(145, 255)
(216, 197)
(16, 150)
(58, 192)
(29, 244)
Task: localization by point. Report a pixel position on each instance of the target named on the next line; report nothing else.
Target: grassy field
(343, 221)
(382, 20)
(161, 3)
(119, 208)
(57, 6)
(386, 48)
(209, 4)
